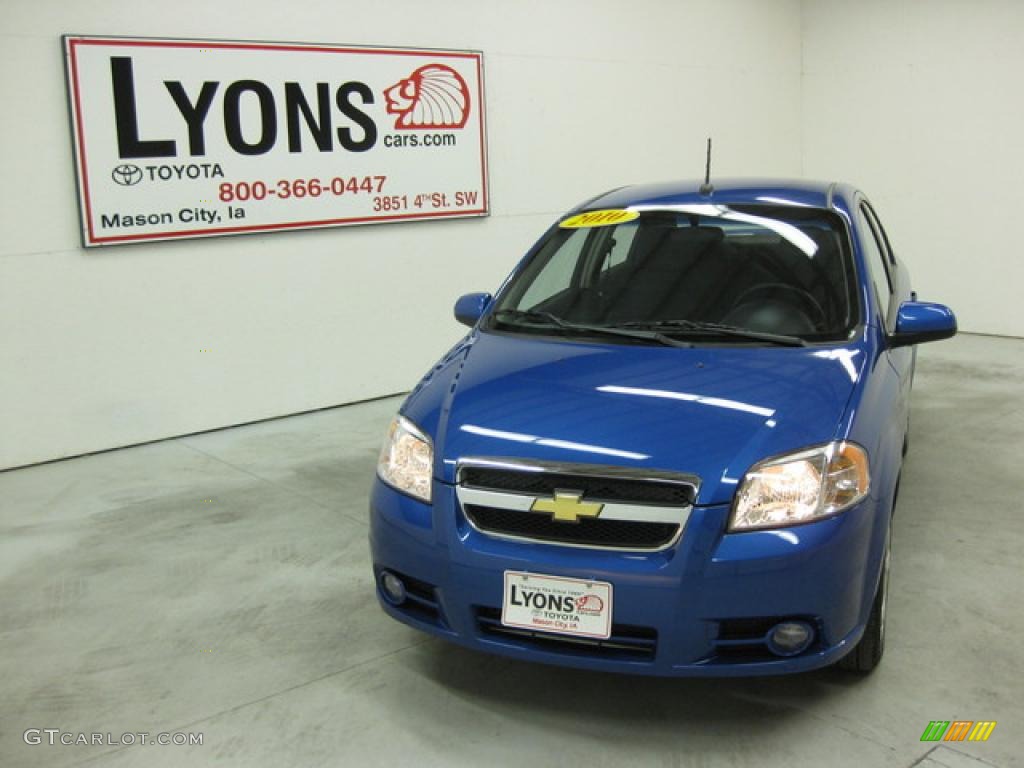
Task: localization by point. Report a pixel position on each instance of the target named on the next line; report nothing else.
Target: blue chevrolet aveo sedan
(670, 444)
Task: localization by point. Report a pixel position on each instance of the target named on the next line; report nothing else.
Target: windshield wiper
(708, 328)
(536, 317)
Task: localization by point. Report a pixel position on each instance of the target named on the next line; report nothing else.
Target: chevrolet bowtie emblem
(567, 507)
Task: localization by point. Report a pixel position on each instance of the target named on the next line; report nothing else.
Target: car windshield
(691, 271)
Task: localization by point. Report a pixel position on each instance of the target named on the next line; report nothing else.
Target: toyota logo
(127, 175)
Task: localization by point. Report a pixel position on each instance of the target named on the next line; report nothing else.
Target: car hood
(706, 411)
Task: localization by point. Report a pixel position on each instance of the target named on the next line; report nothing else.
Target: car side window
(877, 262)
(557, 272)
(883, 238)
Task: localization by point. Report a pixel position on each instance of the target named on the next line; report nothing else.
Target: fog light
(790, 638)
(392, 587)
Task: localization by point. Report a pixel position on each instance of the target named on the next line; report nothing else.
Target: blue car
(670, 444)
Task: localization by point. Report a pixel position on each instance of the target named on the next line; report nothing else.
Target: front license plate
(557, 604)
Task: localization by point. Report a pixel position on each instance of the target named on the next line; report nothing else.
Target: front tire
(866, 655)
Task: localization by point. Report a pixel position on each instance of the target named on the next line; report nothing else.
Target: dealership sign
(186, 138)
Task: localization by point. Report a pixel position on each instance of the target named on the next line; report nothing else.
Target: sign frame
(70, 44)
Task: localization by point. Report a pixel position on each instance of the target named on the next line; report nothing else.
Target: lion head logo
(434, 96)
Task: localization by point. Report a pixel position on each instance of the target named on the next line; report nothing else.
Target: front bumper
(697, 608)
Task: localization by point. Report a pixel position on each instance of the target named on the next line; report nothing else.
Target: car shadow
(530, 690)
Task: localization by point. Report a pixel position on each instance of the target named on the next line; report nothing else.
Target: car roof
(799, 192)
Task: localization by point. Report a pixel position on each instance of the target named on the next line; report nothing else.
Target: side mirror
(468, 308)
(921, 321)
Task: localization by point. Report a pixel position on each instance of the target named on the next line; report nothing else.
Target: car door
(891, 284)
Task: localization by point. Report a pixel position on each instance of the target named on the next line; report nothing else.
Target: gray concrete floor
(220, 584)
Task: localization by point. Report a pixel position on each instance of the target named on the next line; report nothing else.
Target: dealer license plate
(557, 604)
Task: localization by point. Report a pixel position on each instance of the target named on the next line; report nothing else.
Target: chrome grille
(595, 487)
(594, 532)
(643, 510)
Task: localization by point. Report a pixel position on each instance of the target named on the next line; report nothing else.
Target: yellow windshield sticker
(598, 219)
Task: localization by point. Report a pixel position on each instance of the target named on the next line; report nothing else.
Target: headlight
(407, 459)
(801, 487)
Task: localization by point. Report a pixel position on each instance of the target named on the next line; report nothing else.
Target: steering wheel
(805, 297)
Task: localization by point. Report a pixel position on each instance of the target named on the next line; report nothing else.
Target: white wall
(102, 348)
(919, 102)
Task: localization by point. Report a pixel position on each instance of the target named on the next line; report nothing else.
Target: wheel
(868, 652)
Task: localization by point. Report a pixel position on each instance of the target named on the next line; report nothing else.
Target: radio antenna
(706, 188)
